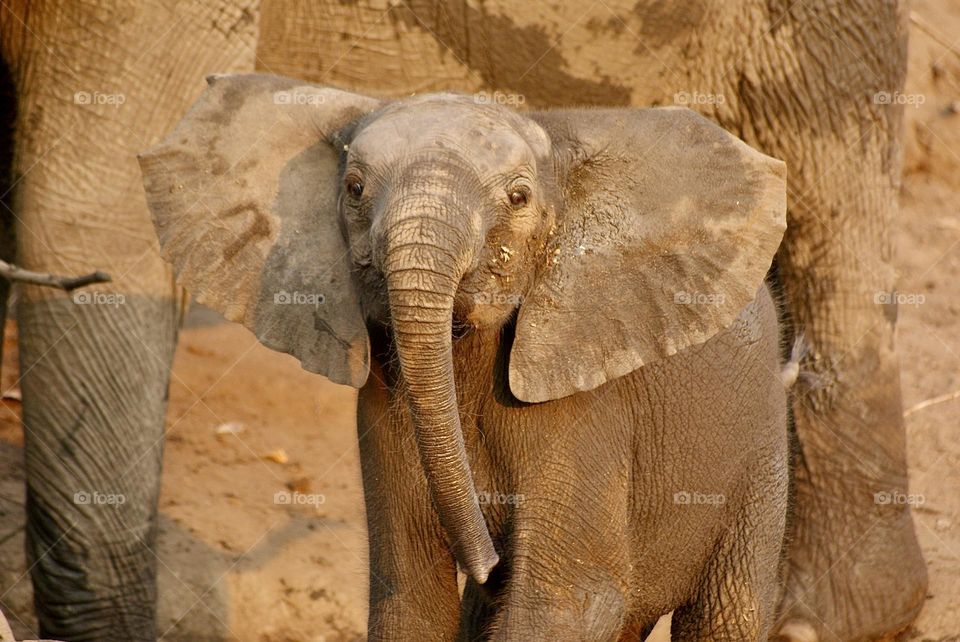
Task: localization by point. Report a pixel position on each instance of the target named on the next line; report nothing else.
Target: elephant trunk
(422, 276)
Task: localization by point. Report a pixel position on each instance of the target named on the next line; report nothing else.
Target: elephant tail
(790, 371)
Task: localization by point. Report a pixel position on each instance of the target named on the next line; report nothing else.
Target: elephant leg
(97, 83)
(93, 424)
(413, 583)
(854, 568)
(738, 594)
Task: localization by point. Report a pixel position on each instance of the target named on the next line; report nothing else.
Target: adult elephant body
(797, 80)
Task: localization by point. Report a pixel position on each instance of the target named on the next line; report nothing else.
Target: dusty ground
(245, 423)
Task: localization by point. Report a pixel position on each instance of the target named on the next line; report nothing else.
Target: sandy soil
(245, 423)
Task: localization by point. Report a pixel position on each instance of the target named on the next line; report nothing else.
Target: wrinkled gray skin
(583, 498)
(477, 241)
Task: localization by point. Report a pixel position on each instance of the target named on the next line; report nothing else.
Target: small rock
(299, 485)
(229, 428)
(279, 456)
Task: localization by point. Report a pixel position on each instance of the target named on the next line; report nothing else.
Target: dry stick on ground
(926, 403)
(20, 275)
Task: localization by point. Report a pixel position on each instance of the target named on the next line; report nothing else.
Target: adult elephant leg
(98, 82)
(854, 566)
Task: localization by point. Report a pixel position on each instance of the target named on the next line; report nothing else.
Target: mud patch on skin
(218, 164)
(532, 64)
(235, 94)
(666, 22)
(259, 229)
(602, 27)
(233, 98)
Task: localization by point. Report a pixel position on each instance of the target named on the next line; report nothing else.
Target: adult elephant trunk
(422, 275)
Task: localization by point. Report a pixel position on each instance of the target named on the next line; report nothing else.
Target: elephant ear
(667, 227)
(243, 195)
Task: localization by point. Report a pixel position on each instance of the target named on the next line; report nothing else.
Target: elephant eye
(518, 196)
(354, 186)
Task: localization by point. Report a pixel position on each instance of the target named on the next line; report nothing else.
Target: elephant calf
(568, 359)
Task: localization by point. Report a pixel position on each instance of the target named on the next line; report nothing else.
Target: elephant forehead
(484, 141)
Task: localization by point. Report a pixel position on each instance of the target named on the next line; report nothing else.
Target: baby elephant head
(616, 236)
